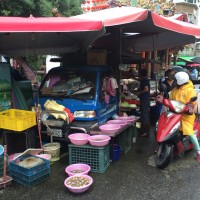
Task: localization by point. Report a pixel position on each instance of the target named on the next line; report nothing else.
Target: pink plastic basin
(109, 128)
(119, 122)
(81, 188)
(79, 138)
(128, 119)
(45, 156)
(99, 140)
(77, 168)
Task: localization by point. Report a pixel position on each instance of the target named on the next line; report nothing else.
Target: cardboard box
(97, 57)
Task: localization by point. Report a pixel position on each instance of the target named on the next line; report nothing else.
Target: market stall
(74, 35)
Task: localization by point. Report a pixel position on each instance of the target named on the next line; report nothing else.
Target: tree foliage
(39, 8)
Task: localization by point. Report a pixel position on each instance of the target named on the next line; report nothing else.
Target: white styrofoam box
(198, 100)
(197, 86)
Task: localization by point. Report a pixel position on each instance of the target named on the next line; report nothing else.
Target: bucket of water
(53, 149)
(116, 152)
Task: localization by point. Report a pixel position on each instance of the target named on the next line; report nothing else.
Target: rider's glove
(190, 109)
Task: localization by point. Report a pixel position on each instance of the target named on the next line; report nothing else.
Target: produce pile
(30, 162)
(126, 104)
(78, 181)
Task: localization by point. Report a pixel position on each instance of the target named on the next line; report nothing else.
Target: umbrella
(141, 30)
(196, 60)
(46, 35)
(193, 65)
(178, 69)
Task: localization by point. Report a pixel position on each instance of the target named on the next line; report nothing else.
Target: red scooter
(171, 141)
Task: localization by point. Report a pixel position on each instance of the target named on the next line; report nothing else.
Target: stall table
(123, 136)
(130, 110)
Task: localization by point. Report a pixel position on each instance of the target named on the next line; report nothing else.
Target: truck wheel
(164, 155)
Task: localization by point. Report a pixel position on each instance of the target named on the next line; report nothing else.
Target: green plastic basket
(97, 157)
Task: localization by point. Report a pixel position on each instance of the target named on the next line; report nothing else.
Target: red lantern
(83, 8)
(93, 1)
(88, 2)
(88, 8)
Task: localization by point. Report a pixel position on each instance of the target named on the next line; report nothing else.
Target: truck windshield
(70, 84)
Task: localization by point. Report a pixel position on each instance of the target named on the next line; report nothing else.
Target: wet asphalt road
(133, 177)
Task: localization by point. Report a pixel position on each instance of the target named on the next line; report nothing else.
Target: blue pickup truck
(81, 90)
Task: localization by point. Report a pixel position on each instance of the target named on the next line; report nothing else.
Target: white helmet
(182, 77)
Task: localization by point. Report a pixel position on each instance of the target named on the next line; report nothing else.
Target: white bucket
(53, 149)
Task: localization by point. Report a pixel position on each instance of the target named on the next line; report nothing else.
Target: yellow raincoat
(184, 94)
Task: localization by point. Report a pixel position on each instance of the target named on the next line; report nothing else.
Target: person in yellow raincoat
(183, 93)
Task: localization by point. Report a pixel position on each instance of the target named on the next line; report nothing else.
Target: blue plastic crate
(31, 183)
(32, 177)
(2, 159)
(97, 157)
(2, 165)
(1, 171)
(28, 171)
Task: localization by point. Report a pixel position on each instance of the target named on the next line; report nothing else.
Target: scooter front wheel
(164, 155)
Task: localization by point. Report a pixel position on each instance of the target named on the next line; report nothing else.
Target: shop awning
(142, 30)
(182, 17)
(179, 63)
(196, 59)
(47, 35)
(186, 58)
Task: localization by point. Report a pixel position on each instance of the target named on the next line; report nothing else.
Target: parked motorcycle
(171, 141)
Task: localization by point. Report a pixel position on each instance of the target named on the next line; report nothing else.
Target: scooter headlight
(178, 106)
(85, 114)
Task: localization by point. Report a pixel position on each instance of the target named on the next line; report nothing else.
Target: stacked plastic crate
(97, 157)
(2, 165)
(30, 176)
(5, 87)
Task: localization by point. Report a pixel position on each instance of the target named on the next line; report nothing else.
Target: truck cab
(82, 90)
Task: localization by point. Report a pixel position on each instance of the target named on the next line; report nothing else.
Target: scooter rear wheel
(164, 155)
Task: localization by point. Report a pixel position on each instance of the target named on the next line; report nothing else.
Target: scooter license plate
(56, 132)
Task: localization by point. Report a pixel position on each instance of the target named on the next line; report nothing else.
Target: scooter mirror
(193, 99)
